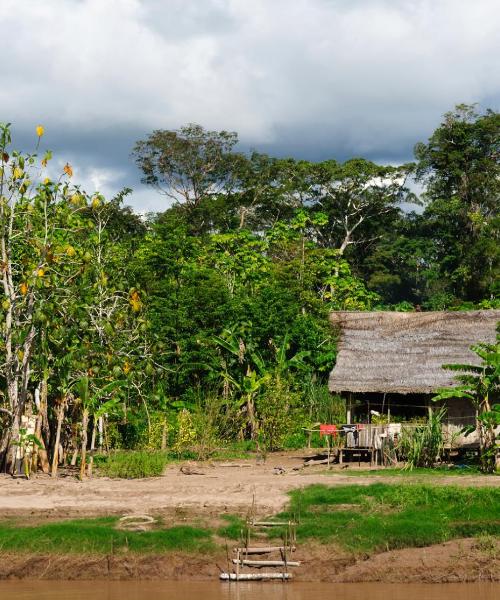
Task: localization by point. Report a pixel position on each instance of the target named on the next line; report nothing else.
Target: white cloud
(365, 76)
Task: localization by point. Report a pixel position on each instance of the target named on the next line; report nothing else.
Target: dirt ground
(451, 562)
(221, 488)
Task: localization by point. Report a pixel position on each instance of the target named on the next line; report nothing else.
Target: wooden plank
(266, 563)
(254, 576)
(261, 549)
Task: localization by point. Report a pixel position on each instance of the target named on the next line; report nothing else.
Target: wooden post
(349, 409)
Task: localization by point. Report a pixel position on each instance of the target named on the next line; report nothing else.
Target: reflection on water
(195, 590)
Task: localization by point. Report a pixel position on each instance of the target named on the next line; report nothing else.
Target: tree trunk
(60, 418)
(40, 454)
(251, 417)
(164, 435)
(85, 424)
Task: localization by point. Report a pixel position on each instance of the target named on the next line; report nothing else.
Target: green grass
(99, 536)
(235, 525)
(379, 516)
(419, 471)
(132, 464)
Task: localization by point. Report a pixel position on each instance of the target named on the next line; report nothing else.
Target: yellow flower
(68, 170)
(96, 202)
(46, 181)
(70, 251)
(24, 289)
(40, 130)
(135, 302)
(17, 173)
(126, 367)
(40, 273)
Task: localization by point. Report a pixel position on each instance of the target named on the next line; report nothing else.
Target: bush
(423, 445)
(133, 464)
(274, 412)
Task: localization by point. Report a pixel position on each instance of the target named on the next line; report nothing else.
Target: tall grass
(423, 445)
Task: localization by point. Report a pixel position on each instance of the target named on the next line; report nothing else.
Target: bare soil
(220, 489)
(452, 562)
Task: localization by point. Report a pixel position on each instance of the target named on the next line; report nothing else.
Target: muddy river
(165, 590)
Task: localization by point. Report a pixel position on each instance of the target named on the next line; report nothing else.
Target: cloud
(309, 78)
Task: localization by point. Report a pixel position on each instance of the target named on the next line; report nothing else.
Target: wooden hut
(392, 362)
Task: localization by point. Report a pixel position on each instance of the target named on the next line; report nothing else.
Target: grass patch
(99, 536)
(135, 464)
(235, 525)
(383, 517)
(419, 471)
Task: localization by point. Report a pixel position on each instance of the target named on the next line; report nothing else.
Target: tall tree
(460, 166)
(190, 166)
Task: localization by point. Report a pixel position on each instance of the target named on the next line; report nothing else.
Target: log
(270, 523)
(231, 465)
(263, 549)
(266, 563)
(253, 576)
(312, 462)
(187, 470)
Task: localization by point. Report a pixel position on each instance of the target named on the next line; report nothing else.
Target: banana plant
(27, 443)
(480, 384)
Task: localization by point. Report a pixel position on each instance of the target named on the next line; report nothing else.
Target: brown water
(170, 590)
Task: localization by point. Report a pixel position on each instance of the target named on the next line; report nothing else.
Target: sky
(311, 79)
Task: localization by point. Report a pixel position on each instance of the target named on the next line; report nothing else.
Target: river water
(195, 590)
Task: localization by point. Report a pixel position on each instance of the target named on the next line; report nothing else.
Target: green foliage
(480, 384)
(133, 464)
(422, 446)
(382, 517)
(219, 305)
(275, 413)
(100, 536)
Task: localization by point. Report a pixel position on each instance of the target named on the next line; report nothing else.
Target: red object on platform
(327, 430)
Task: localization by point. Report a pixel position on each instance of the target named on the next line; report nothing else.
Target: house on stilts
(391, 364)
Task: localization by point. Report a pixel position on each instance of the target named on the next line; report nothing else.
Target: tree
(190, 166)
(461, 169)
(36, 218)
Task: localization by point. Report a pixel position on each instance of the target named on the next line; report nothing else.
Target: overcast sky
(306, 78)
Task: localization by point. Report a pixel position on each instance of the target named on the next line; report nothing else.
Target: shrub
(133, 464)
(423, 445)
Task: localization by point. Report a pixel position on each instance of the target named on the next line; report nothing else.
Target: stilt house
(391, 363)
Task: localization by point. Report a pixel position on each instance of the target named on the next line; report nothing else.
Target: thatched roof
(404, 352)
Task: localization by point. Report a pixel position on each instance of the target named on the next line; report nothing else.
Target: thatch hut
(392, 362)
